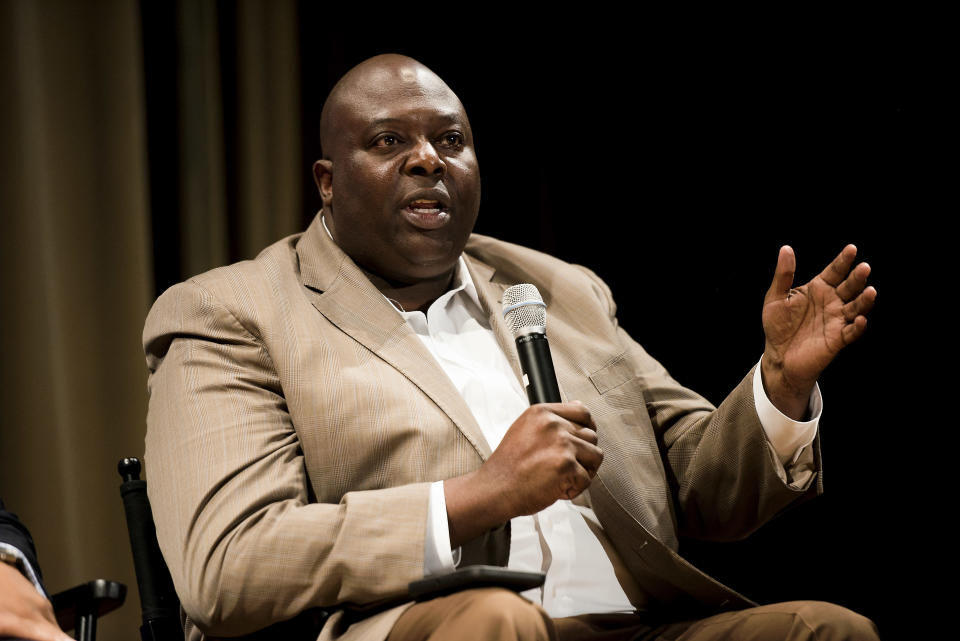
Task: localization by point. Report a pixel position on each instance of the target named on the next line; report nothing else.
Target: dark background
(674, 160)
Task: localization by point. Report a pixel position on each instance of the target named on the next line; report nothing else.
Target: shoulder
(226, 300)
(262, 276)
(503, 255)
(552, 276)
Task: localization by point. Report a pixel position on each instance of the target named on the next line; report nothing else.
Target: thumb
(783, 275)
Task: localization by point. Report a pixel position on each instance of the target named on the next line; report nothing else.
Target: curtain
(101, 209)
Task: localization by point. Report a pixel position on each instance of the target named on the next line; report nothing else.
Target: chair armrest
(94, 598)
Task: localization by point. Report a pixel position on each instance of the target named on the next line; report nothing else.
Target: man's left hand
(807, 326)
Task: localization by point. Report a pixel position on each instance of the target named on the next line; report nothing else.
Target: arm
(245, 545)
(25, 611)
(13, 533)
(725, 474)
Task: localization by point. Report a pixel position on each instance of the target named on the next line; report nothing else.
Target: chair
(159, 605)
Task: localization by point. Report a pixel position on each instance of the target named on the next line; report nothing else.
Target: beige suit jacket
(296, 421)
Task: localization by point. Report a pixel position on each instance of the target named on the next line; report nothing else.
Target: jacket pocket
(615, 373)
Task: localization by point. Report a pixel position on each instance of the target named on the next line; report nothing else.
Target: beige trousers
(494, 614)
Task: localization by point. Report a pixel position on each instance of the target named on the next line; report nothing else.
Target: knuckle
(583, 482)
(568, 463)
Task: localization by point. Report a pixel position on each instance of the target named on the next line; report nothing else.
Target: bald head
(378, 80)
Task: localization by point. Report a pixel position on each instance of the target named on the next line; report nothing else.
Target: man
(25, 611)
(344, 415)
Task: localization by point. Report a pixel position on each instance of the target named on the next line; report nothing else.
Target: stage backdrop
(146, 142)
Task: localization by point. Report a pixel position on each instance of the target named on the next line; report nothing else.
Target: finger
(586, 434)
(783, 274)
(854, 283)
(854, 330)
(837, 270)
(861, 305)
(576, 483)
(589, 456)
(575, 412)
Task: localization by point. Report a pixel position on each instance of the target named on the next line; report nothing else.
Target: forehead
(408, 93)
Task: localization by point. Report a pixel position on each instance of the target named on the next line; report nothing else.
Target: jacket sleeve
(245, 544)
(723, 472)
(14, 533)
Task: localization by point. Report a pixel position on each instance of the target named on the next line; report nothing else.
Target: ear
(323, 176)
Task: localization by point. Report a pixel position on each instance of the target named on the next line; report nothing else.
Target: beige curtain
(75, 247)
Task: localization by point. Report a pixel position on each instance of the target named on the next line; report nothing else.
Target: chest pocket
(621, 407)
(613, 374)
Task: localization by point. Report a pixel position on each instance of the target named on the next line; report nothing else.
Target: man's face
(402, 184)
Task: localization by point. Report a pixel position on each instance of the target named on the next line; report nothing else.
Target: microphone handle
(537, 366)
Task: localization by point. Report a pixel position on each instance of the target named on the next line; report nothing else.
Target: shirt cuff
(787, 436)
(26, 568)
(438, 558)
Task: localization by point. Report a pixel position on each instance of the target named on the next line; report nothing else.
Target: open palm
(807, 326)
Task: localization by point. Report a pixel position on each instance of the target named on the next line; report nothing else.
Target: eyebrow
(451, 117)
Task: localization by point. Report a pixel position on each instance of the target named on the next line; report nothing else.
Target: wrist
(14, 561)
(789, 396)
(474, 505)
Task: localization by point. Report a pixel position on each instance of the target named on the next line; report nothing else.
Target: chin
(422, 271)
(433, 257)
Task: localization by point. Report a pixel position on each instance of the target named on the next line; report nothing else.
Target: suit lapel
(340, 291)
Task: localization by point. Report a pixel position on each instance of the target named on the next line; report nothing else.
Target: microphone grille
(524, 309)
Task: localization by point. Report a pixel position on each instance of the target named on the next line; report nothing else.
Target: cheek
(467, 178)
(362, 183)
(464, 163)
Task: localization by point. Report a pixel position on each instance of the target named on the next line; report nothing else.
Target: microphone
(526, 315)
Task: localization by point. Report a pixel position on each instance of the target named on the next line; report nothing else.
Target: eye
(452, 139)
(386, 140)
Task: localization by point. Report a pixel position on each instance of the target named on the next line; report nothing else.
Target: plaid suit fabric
(296, 421)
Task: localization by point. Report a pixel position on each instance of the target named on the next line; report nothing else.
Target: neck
(409, 296)
(413, 296)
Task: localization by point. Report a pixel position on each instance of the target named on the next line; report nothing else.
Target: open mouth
(427, 214)
(423, 206)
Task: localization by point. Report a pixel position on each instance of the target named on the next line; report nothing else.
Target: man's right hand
(550, 452)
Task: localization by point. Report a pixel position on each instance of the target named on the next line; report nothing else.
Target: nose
(424, 160)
